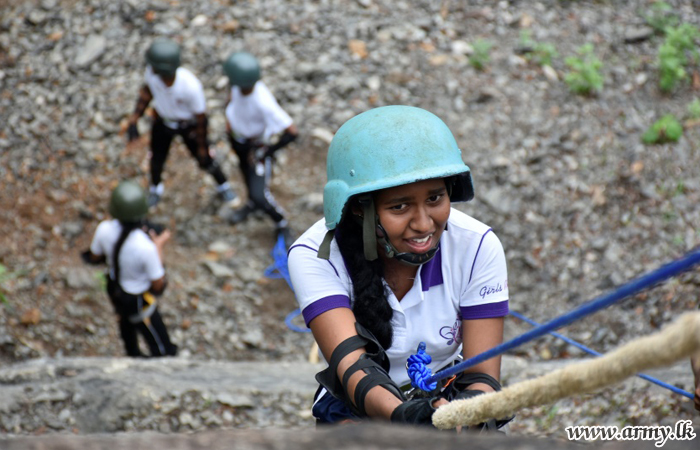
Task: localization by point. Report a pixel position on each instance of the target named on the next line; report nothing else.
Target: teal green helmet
(128, 202)
(242, 69)
(387, 147)
(164, 57)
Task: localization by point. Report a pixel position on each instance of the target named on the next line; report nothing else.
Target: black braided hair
(127, 228)
(371, 306)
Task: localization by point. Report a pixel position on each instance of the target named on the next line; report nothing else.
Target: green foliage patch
(675, 55)
(661, 16)
(585, 77)
(481, 57)
(666, 129)
(541, 53)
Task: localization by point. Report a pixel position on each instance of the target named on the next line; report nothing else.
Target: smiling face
(414, 215)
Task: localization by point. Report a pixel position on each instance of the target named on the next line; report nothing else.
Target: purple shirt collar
(431, 272)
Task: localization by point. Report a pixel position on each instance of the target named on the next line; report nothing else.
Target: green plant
(480, 57)
(673, 59)
(544, 53)
(660, 16)
(4, 276)
(584, 77)
(666, 129)
(101, 279)
(539, 53)
(694, 109)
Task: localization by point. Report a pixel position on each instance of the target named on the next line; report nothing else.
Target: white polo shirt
(181, 101)
(139, 263)
(467, 279)
(256, 115)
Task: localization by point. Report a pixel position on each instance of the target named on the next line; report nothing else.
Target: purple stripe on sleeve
(431, 272)
(315, 251)
(325, 304)
(477, 254)
(485, 311)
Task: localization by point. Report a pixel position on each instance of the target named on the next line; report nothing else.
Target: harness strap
(146, 312)
(324, 251)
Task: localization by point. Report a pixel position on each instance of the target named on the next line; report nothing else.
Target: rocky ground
(580, 204)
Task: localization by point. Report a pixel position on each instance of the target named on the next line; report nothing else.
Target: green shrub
(585, 77)
(661, 16)
(480, 57)
(666, 129)
(544, 53)
(694, 109)
(673, 55)
(539, 53)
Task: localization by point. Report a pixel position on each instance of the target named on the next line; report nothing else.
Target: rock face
(579, 203)
(105, 395)
(181, 395)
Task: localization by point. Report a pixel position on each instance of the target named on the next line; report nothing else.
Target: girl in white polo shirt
(253, 120)
(136, 272)
(180, 109)
(394, 265)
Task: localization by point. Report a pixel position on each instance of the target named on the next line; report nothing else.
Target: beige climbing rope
(677, 341)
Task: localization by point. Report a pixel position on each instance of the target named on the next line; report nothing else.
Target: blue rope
(663, 273)
(291, 326)
(595, 353)
(418, 370)
(279, 269)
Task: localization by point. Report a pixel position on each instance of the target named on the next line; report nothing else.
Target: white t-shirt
(256, 115)
(467, 279)
(181, 101)
(139, 263)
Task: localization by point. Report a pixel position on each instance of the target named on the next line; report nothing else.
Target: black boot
(239, 215)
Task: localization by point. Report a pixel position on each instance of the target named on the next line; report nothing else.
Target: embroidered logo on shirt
(454, 333)
(488, 290)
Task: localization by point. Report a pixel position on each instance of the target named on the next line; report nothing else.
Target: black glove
(469, 393)
(132, 132)
(491, 425)
(87, 259)
(417, 411)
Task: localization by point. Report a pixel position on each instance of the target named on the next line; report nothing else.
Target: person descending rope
(256, 127)
(134, 253)
(180, 109)
(394, 265)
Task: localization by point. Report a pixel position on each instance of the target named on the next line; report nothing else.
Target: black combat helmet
(164, 57)
(242, 69)
(128, 202)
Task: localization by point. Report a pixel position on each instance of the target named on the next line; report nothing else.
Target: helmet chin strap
(412, 259)
(373, 233)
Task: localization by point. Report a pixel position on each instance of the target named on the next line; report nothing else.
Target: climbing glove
(417, 411)
(132, 132)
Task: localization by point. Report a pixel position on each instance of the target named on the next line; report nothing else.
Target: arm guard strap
(374, 363)
(145, 98)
